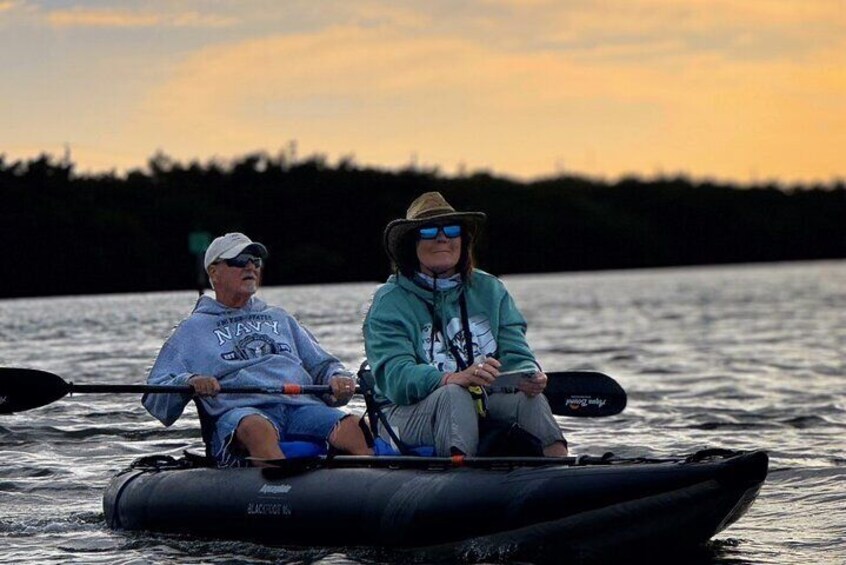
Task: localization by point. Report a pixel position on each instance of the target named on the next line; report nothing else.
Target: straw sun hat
(428, 208)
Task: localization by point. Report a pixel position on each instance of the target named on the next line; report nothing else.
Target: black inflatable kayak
(517, 507)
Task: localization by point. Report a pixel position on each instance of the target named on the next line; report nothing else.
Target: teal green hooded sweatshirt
(413, 334)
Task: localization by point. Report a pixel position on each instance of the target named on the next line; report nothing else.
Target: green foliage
(105, 233)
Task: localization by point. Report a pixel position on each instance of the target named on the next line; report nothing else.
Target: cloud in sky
(115, 18)
(522, 88)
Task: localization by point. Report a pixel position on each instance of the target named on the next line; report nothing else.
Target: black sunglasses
(242, 260)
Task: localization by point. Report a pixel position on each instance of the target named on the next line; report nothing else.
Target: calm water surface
(741, 357)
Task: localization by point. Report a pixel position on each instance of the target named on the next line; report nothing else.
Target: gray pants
(447, 419)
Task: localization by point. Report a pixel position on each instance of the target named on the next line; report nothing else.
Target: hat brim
(254, 247)
(396, 230)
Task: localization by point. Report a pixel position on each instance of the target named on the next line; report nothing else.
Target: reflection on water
(742, 357)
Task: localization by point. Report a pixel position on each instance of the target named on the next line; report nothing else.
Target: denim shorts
(293, 422)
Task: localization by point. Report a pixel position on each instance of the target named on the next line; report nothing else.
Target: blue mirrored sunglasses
(431, 232)
(241, 261)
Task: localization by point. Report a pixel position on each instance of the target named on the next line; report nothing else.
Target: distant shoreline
(103, 234)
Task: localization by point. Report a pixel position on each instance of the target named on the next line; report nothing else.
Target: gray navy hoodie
(257, 345)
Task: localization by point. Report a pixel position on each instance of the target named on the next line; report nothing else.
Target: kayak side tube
(585, 510)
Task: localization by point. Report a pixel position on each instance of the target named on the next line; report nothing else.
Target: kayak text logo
(274, 489)
(262, 509)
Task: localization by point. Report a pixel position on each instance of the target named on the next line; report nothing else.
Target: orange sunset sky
(739, 91)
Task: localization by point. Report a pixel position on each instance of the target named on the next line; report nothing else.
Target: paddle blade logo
(579, 402)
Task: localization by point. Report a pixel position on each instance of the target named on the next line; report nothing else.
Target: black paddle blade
(24, 389)
(584, 394)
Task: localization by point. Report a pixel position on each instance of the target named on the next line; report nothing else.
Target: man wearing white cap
(237, 340)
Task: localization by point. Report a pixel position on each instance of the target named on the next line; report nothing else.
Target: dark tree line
(77, 234)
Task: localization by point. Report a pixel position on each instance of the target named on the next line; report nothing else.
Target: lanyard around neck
(468, 336)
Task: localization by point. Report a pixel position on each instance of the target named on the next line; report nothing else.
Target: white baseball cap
(231, 245)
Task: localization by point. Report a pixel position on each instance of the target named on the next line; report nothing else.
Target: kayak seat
(300, 449)
(291, 449)
(376, 418)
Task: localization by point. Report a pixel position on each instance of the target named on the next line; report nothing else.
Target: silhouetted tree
(107, 233)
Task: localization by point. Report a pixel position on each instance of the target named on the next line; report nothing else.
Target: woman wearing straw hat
(439, 329)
